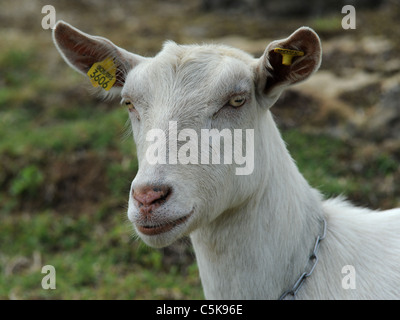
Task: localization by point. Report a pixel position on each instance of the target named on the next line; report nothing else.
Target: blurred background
(67, 158)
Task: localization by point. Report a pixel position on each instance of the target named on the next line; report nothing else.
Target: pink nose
(149, 198)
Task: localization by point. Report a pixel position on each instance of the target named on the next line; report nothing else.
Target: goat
(256, 235)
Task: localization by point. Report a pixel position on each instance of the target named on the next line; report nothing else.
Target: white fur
(252, 235)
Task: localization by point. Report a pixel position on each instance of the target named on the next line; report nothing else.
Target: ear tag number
(103, 74)
(287, 55)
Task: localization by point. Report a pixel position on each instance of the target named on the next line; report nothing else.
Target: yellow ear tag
(103, 74)
(287, 55)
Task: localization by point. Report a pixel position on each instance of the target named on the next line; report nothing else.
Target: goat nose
(151, 196)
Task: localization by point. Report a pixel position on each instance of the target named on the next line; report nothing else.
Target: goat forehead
(203, 62)
(184, 53)
(189, 69)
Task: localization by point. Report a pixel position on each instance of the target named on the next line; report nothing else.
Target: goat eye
(131, 108)
(130, 105)
(237, 101)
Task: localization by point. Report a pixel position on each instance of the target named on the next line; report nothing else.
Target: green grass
(330, 165)
(326, 24)
(93, 259)
(317, 158)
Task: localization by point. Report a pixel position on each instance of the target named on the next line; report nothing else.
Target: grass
(336, 167)
(327, 24)
(322, 171)
(93, 259)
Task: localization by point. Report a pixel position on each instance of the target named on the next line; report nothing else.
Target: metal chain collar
(313, 260)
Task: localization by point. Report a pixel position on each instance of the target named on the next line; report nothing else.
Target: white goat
(253, 234)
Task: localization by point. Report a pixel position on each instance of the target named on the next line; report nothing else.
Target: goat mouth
(152, 230)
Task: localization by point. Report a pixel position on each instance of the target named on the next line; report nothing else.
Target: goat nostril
(154, 195)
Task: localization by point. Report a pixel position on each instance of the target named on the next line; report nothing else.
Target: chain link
(313, 260)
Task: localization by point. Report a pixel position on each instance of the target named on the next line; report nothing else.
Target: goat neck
(258, 250)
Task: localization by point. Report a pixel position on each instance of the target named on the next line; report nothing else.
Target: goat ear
(289, 61)
(81, 51)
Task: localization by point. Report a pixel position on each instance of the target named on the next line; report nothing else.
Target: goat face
(180, 103)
